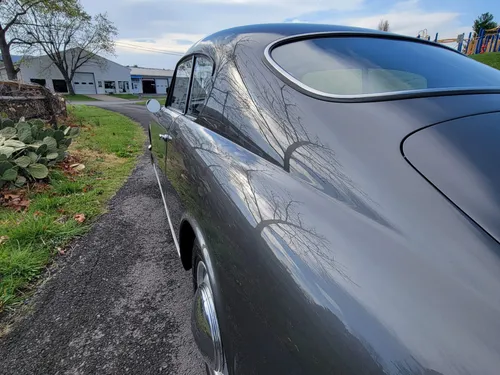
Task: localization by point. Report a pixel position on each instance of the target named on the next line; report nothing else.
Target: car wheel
(204, 322)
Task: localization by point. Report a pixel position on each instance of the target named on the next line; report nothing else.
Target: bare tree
(69, 40)
(12, 14)
(383, 25)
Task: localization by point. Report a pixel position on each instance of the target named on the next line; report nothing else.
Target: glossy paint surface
(327, 252)
(461, 158)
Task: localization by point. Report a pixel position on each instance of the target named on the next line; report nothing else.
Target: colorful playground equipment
(485, 41)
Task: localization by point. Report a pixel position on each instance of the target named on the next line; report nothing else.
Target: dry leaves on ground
(79, 217)
(77, 167)
(3, 239)
(15, 199)
(71, 165)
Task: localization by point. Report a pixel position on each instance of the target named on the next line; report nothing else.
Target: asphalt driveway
(119, 303)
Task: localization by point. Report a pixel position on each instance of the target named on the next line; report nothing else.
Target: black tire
(196, 257)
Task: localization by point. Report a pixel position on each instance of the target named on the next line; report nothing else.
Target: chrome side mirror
(153, 105)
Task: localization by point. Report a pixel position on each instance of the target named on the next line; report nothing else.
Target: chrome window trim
(168, 101)
(193, 56)
(375, 96)
(196, 56)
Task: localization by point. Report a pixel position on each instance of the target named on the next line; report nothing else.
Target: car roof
(265, 37)
(266, 33)
(285, 29)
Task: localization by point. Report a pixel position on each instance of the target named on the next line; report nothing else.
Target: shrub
(29, 148)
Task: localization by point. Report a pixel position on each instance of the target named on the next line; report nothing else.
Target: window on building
(202, 79)
(59, 85)
(99, 83)
(38, 81)
(109, 85)
(181, 85)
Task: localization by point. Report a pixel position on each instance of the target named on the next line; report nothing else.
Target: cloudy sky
(173, 25)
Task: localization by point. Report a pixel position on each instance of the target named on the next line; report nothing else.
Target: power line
(123, 44)
(149, 49)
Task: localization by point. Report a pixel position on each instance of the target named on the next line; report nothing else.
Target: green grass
(491, 58)
(160, 98)
(79, 98)
(108, 146)
(125, 96)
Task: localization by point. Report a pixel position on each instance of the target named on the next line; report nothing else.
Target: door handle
(165, 137)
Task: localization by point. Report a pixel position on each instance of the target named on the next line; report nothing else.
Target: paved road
(119, 303)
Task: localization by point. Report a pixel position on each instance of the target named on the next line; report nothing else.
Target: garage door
(161, 86)
(84, 83)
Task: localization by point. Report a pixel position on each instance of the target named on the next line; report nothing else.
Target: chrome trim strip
(292, 38)
(173, 111)
(174, 236)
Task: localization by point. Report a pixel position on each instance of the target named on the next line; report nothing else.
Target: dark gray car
(338, 192)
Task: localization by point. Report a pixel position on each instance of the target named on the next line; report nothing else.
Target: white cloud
(173, 42)
(406, 5)
(174, 24)
(409, 23)
(409, 18)
(294, 5)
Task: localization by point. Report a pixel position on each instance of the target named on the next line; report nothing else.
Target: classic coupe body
(336, 193)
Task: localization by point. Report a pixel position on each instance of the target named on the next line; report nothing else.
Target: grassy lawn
(491, 58)
(136, 97)
(79, 98)
(108, 146)
(161, 100)
(125, 96)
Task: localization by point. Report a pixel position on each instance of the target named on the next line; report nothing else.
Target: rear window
(353, 66)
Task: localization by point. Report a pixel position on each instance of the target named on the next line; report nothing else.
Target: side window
(202, 80)
(181, 85)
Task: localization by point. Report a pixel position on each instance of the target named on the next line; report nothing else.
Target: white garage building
(97, 76)
(150, 81)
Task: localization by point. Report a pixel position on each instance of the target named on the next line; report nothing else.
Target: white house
(150, 81)
(97, 76)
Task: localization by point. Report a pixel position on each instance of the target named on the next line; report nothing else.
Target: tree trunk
(7, 58)
(71, 90)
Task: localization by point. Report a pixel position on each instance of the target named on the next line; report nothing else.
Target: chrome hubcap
(204, 323)
(201, 274)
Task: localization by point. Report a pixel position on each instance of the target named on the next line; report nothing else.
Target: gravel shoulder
(119, 303)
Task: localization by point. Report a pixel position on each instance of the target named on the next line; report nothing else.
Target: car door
(189, 93)
(176, 104)
(164, 134)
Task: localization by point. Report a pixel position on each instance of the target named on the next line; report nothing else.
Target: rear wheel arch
(187, 237)
(190, 233)
(193, 245)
